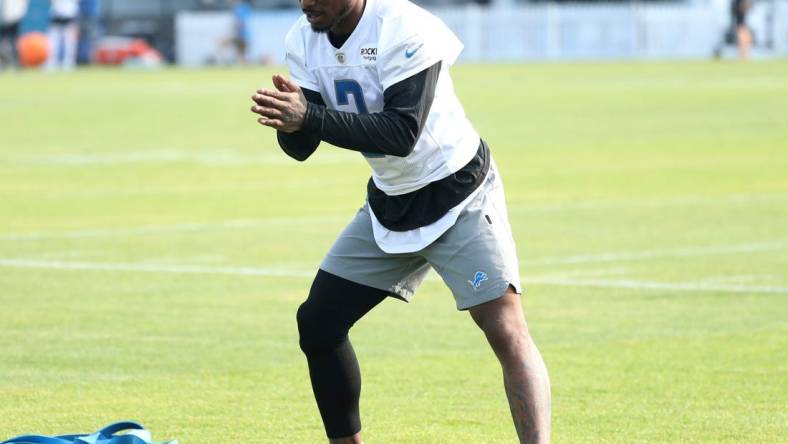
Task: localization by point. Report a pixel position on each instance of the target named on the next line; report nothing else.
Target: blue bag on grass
(135, 434)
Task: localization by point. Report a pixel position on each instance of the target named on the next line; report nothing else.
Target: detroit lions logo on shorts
(478, 278)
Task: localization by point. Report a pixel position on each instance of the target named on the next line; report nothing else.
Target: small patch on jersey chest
(369, 54)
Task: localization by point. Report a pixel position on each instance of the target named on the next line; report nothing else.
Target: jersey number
(351, 87)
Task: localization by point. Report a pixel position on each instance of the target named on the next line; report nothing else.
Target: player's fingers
(265, 92)
(264, 100)
(279, 95)
(280, 83)
(273, 123)
(291, 84)
(277, 83)
(266, 112)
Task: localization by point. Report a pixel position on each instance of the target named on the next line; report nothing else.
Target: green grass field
(155, 244)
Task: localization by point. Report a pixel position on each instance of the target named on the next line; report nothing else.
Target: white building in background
(509, 31)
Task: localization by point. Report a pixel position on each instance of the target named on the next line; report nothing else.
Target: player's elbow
(299, 157)
(298, 149)
(402, 150)
(296, 154)
(406, 138)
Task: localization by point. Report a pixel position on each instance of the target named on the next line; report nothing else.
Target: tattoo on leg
(525, 377)
(528, 392)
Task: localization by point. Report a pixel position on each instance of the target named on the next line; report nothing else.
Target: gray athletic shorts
(476, 257)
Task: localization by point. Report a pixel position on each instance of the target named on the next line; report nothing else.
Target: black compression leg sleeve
(333, 306)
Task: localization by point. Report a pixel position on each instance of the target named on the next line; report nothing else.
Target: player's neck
(349, 22)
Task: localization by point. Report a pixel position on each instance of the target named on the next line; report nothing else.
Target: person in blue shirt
(242, 12)
(89, 13)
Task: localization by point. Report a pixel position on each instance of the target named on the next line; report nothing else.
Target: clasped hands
(282, 109)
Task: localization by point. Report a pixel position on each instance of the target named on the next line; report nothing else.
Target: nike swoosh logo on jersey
(409, 52)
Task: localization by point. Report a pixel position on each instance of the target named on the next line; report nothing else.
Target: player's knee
(510, 343)
(508, 336)
(318, 331)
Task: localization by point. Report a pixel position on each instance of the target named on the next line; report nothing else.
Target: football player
(373, 76)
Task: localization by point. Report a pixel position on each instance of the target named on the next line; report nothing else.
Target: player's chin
(320, 23)
(321, 30)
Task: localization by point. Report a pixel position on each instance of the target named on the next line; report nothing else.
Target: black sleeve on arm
(301, 144)
(393, 131)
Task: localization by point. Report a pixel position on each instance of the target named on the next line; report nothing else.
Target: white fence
(528, 32)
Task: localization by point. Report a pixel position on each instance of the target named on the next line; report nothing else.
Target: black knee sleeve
(319, 330)
(333, 306)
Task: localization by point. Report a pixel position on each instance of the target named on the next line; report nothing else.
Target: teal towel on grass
(135, 434)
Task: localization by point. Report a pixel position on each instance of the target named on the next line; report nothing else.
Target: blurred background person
(238, 42)
(63, 34)
(89, 12)
(739, 10)
(242, 13)
(11, 14)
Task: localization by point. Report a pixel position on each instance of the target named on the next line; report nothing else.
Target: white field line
(655, 202)
(590, 273)
(155, 268)
(717, 250)
(276, 272)
(609, 257)
(204, 156)
(175, 228)
(738, 278)
(655, 285)
(73, 335)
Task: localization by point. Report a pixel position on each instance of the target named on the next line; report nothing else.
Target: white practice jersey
(393, 40)
(12, 11)
(67, 9)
